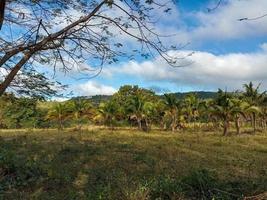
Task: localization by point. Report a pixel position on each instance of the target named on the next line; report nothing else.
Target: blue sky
(227, 52)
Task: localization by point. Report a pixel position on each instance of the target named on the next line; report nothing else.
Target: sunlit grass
(98, 163)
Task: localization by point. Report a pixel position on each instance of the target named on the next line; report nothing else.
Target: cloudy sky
(226, 52)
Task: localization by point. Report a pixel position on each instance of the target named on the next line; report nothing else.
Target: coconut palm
(240, 108)
(227, 108)
(59, 113)
(141, 110)
(172, 105)
(191, 108)
(253, 111)
(108, 112)
(253, 96)
(158, 114)
(80, 108)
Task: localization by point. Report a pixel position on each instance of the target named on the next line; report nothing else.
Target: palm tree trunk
(225, 128)
(165, 126)
(254, 122)
(237, 125)
(146, 125)
(60, 124)
(173, 125)
(139, 124)
(78, 124)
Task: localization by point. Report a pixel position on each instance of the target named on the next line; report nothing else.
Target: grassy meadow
(129, 164)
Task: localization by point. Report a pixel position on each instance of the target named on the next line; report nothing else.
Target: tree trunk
(2, 12)
(139, 121)
(60, 124)
(165, 126)
(254, 122)
(10, 77)
(38, 46)
(237, 125)
(146, 128)
(173, 125)
(78, 122)
(225, 128)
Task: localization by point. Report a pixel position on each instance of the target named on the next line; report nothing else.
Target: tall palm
(225, 107)
(158, 110)
(191, 107)
(80, 108)
(171, 103)
(140, 109)
(108, 112)
(253, 96)
(239, 109)
(59, 113)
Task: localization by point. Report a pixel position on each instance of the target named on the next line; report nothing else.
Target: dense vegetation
(142, 108)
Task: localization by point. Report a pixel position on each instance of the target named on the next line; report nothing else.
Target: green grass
(126, 164)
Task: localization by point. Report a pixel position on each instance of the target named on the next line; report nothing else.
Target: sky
(225, 52)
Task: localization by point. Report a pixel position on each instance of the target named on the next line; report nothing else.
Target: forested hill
(96, 99)
(200, 94)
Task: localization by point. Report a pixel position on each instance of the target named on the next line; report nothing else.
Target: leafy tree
(66, 33)
(139, 105)
(20, 112)
(134, 103)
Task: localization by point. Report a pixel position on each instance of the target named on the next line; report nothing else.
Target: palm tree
(59, 113)
(253, 111)
(80, 108)
(158, 114)
(227, 108)
(253, 96)
(108, 112)
(191, 106)
(171, 104)
(148, 113)
(239, 109)
(140, 109)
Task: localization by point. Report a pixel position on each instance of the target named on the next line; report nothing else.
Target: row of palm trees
(141, 107)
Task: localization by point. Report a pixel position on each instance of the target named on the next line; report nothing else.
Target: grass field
(126, 164)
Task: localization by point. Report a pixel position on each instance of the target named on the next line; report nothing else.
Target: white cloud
(264, 46)
(207, 71)
(223, 22)
(59, 99)
(91, 88)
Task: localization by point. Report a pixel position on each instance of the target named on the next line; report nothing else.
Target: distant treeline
(142, 108)
(96, 99)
